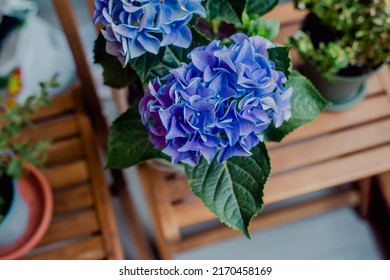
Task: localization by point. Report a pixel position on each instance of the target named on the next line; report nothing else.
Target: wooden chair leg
(133, 225)
(384, 187)
(148, 181)
(120, 99)
(365, 186)
(141, 242)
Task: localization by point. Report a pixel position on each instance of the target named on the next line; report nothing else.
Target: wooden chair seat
(83, 225)
(339, 147)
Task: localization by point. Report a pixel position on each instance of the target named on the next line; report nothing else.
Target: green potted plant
(342, 43)
(209, 102)
(17, 157)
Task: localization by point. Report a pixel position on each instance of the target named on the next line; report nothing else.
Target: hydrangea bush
(209, 104)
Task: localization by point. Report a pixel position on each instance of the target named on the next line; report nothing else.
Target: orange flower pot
(37, 194)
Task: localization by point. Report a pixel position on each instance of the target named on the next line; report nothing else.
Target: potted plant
(18, 173)
(209, 104)
(342, 44)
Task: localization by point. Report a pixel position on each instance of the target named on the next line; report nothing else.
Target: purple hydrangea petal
(202, 59)
(136, 49)
(184, 37)
(149, 43)
(195, 7)
(239, 37)
(232, 151)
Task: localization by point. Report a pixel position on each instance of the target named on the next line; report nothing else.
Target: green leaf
(14, 168)
(260, 7)
(113, 72)
(228, 10)
(281, 57)
(257, 26)
(174, 56)
(145, 62)
(198, 39)
(238, 6)
(128, 142)
(232, 190)
(4, 81)
(306, 105)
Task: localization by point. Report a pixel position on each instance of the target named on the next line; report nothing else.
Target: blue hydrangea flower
(217, 105)
(134, 27)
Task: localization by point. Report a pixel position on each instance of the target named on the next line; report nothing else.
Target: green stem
(215, 24)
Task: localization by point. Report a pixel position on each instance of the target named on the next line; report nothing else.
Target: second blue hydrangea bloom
(217, 105)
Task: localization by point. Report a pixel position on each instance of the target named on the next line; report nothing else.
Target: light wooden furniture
(90, 101)
(339, 147)
(83, 225)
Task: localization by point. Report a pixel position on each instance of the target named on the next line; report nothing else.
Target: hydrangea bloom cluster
(217, 105)
(134, 27)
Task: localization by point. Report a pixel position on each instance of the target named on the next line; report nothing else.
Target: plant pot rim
(349, 78)
(360, 77)
(37, 192)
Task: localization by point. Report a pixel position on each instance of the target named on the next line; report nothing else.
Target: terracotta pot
(36, 193)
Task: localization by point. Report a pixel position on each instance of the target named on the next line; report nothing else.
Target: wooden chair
(90, 101)
(83, 225)
(335, 149)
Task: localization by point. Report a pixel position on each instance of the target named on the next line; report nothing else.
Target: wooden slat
(54, 130)
(190, 213)
(383, 77)
(331, 173)
(68, 175)
(59, 105)
(90, 249)
(369, 110)
(178, 188)
(374, 86)
(329, 146)
(64, 152)
(286, 13)
(73, 199)
(79, 225)
(287, 31)
(274, 218)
